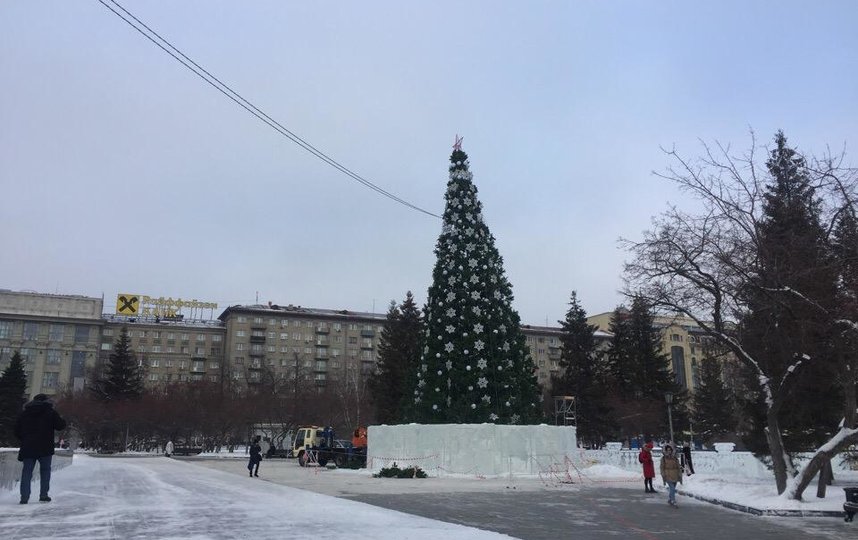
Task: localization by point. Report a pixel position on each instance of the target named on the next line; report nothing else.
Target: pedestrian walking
(168, 449)
(255, 456)
(35, 428)
(645, 458)
(687, 465)
(671, 473)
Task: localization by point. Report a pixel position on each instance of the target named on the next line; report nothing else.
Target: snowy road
(128, 498)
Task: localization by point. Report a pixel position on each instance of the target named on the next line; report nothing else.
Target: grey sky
(122, 172)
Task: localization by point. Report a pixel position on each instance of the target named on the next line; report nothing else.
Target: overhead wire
(227, 91)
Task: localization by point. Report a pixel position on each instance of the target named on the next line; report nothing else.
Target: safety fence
(10, 467)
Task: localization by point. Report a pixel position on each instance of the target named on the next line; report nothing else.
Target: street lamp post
(668, 397)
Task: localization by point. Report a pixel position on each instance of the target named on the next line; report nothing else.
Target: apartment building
(64, 339)
(169, 349)
(57, 336)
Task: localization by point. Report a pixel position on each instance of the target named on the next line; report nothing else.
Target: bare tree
(704, 264)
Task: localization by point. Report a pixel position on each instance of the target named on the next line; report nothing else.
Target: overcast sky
(123, 172)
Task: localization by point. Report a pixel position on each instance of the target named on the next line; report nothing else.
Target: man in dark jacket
(35, 428)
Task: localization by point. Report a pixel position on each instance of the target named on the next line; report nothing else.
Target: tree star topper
(458, 144)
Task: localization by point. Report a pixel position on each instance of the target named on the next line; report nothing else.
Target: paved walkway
(530, 510)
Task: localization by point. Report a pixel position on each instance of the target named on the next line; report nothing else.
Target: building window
(50, 379)
(171, 349)
(257, 333)
(141, 348)
(272, 321)
(199, 365)
(31, 331)
(168, 363)
(352, 326)
(272, 348)
(284, 349)
(284, 336)
(106, 346)
(335, 352)
(256, 347)
(242, 318)
(183, 364)
(106, 332)
(678, 362)
(81, 334)
(217, 338)
(240, 333)
(140, 333)
(201, 337)
(171, 335)
(352, 340)
(53, 356)
(185, 337)
(541, 363)
(296, 323)
(154, 362)
(156, 335)
(272, 335)
(200, 351)
(5, 329)
(156, 348)
(214, 365)
(307, 350)
(297, 337)
(58, 332)
(186, 350)
(153, 376)
(239, 346)
(238, 360)
(213, 378)
(215, 351)
(337, 327)
(236, 375)
(675, 337)
(257, 320)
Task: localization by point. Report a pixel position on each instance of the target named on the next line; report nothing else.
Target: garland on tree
(474, 366)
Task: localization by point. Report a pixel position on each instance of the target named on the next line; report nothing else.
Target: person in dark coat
(255, 456)
(35, 428)
(687, 464)
(645, 458)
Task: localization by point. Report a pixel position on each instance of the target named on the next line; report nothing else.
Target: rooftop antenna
(257, 297)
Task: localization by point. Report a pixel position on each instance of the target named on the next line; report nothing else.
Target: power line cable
(227, 91)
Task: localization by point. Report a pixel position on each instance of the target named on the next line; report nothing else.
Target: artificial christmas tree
(474, 365)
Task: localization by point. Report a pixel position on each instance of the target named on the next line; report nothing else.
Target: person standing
(168, 449)
(671, 473)
(255, 456)
(645, 458)
(687, 465)
(35, 428)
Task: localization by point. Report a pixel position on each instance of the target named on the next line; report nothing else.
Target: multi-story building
(57, 336)
(544, 343)
(319, 345)
(170, 350)
(65, 338)
(683, 341)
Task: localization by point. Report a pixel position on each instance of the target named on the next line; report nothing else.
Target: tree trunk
(847, 437)
(824, 480)
(776, 449)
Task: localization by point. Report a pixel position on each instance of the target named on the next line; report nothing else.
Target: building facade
(64, 339)
(58, 337)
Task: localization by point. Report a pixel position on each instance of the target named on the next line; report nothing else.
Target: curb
(764, 512)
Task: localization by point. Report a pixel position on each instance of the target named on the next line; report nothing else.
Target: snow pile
(763, 495)
(608, 472)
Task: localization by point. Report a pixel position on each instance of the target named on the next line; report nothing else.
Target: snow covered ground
(129, 498)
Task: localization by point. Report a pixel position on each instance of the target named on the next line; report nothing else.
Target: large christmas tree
(474, 366)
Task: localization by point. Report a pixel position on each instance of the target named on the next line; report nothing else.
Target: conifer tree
(582, 375)
(713, 412)
(123, 378)
(620, 357)
(398, 352)
(650, 370)
(13, 386)
(474, 366)
(780, 329)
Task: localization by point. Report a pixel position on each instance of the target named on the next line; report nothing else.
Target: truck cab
(309, 440)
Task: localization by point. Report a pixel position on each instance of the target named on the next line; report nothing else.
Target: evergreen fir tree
(123, 379)
(620, 357)
(13, 386)
(398, 353)
(651, 367)
(474, 366)
(582, 375)
(780, 327)
(713, 412)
